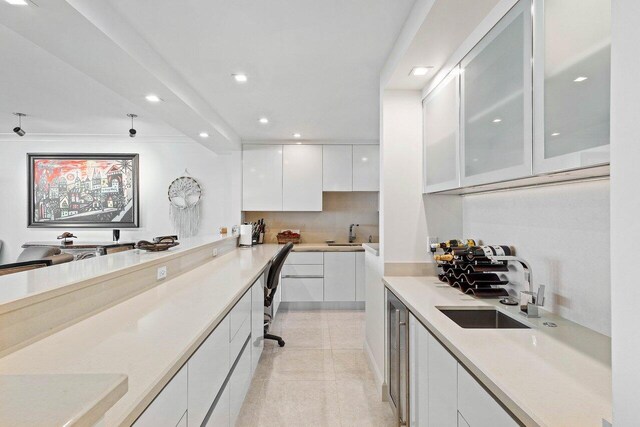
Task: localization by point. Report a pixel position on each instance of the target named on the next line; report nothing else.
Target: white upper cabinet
(302, 178)
(366, 168)
(496, 113)
(337, 168)
(572, 65)
(262, 178)
(441, 130)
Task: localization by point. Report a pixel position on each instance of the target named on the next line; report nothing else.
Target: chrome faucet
(352, 235)
(530, 301)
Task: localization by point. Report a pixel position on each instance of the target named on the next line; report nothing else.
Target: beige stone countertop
(147, 337)
(323, 247)
(27, 287)
(545, 376)
(58, 400)
(374, 248)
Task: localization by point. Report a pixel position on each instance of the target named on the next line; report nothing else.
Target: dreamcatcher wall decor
(185, 194)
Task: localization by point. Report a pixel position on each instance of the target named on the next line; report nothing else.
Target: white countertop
(30, 286)
(374, 248)
(323, 247)
(58, 400)
(147, 337)
(545, 376)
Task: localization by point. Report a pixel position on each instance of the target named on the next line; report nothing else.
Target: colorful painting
(83, 190)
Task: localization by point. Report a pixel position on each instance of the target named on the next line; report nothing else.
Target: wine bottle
(444, 257)
(486, 251)
(455, 243)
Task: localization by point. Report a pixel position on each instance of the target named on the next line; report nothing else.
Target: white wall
(563, 232)
(160, 163)
(625, 205)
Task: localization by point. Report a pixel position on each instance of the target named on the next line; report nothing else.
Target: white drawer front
(238, 341)
(240, 314)
(220, 414)
(169, 406)
(316, 270)
(239, 385)
(302, 289)
(305, 258)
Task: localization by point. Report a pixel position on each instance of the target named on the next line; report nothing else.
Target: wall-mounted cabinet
(337, 168)
(533, 101)
(302, 178)
(572, 64)
(366, 168)
(262, 177)
(496, 113)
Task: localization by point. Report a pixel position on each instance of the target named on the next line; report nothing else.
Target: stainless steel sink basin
(344, 244)
(481, 318)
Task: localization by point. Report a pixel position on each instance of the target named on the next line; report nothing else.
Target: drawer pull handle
(302, 277)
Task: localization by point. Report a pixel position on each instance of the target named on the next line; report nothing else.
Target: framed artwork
(83, 190)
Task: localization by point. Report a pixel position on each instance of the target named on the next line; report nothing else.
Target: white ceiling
(446, 27)
(78, 66)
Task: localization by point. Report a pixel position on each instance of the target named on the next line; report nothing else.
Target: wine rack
(470, 268)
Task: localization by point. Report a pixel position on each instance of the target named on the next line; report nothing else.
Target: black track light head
(18, 129)
(132, 131)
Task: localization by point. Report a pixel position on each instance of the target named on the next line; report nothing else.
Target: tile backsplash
(338, 211)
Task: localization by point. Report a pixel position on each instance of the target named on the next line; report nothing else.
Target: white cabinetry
(340, 276)
(257, 322)
(168, 408)
(302, 178)
(262, 177)
(477, 407)
(220, 415)
(361, 284)
(366, 168)
(441, 135)
(496, 112)
(442, 370)
(337, 168)
(208, 368)
(239, 383)
(419, 379)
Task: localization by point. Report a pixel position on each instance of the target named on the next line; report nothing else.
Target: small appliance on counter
(246, 235)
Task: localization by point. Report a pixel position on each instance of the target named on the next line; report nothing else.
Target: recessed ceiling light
(498, 120)
(17, 2)
(297, 135)
(299, 143)
(240, 78)
(580, 79)
(420, 71)
(204, 135)
(153, 98)
(263, 120)
(555, 134)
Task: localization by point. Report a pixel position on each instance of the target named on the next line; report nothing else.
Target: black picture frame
(86, 201)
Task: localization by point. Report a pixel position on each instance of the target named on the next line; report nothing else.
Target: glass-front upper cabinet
(496, 113)
(441, 129)
(572, 65)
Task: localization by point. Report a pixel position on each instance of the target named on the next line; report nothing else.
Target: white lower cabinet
(169, 406)
(477, 406)
(361, 284)
(183, 421)
(419, 378)
(443, 387)
(340, 276)
(461, 421)
(257, 322)
(208, 369)
(220, 414)
(302, 289)
(239, 383)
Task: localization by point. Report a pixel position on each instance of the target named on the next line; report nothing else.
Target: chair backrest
(23, 266)
(273, 278)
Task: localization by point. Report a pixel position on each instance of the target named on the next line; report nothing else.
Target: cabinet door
(477, 406)
(572, 66)
(302, 178)
(496, 109)
(257, 322)
(262, 177)
(183, 421)
(220, 414)
(418, 373)
(302, 289)
(337, 168)
(441, 131)
(169, 406)
(239, 383)
(208, 368)
(443, 385)
(366, 168)
(361, 283)
(339, 276)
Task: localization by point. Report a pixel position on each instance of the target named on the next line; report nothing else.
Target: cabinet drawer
(305, 258)
(316, 270)
(239, 384)
(220, 415)
(302, 290)
(477, 406)
(169, 406)
(239, 314)
(208, 368)
(237, 342)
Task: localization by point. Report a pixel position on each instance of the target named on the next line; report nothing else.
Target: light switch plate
(162, 273)
(215, 252)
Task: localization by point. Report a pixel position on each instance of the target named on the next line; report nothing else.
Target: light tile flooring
(319, 378)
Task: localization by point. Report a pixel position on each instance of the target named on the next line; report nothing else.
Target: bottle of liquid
(487, 252)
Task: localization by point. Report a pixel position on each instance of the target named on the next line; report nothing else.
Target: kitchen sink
(482, 318)
(344, 244)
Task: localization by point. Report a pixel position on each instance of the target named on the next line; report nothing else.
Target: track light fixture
(18, 129)
(132, 131)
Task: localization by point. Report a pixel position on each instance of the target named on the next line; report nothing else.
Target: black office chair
(273, 280)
